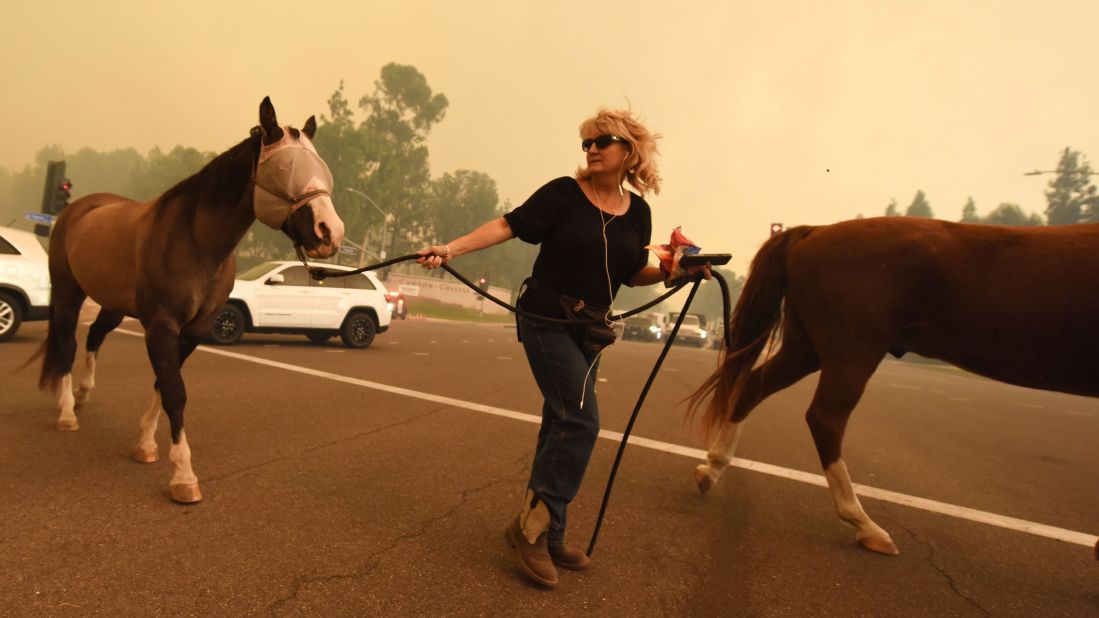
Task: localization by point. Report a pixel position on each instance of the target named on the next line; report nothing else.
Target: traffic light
(776, 228)
(482, 283)
(64, 192)
(55, 196)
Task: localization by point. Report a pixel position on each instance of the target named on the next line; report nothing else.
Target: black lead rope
(320, 273)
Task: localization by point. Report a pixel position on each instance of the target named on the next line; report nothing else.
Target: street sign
(348, 250)
(40, 217)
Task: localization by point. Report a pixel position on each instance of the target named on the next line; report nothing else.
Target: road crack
(325, 445)
(942, 571)
(372, 559)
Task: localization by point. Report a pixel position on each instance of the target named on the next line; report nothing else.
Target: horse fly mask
(288, 175)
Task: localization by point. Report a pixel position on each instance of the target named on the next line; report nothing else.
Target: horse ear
(268, 123)
(310, 128)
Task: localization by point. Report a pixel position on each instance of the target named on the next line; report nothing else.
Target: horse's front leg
(838, 391)
(166, 352)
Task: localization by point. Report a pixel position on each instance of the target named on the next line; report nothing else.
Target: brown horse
(1013, 304)
(169, 263)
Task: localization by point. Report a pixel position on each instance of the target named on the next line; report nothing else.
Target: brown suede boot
(569, 557)
(527, 535)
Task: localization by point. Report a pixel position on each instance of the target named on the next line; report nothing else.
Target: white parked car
(281, 297)
(691, 332)
(24, 281)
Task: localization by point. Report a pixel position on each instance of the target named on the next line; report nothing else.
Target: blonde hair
(640, 163)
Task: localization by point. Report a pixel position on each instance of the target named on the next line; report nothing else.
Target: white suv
(281, 297)
(24, 281)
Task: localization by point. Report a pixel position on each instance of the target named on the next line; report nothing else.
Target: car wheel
(228, 326)
(11, 316)
(358, 330)
(318, 338)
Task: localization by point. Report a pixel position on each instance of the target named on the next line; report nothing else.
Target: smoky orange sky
(792, 112)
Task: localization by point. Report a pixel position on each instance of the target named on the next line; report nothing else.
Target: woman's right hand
(433, 256)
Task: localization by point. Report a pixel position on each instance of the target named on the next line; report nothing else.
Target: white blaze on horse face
(326, 221)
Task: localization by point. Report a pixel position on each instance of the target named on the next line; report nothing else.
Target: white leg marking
(88, 381)
(869, 534)
(146, 450)
(184, 483)
(718, 457)
(67, 403)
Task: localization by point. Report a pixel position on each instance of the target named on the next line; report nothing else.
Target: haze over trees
(1070, 198)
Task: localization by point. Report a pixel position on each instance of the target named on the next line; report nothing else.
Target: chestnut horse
(169, 263)
(1015, 304)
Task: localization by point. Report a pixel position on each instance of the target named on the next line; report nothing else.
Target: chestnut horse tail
(756, 320)
(53, 368)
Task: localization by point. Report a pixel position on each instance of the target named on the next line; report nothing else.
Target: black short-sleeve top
(570, 230)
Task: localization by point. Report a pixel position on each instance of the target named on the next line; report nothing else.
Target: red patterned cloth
(670, 253)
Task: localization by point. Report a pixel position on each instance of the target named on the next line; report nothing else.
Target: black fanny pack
(590, 328)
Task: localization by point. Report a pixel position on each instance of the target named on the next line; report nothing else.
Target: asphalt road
(379, 481)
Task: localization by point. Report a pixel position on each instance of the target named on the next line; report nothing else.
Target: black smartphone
(698, 259)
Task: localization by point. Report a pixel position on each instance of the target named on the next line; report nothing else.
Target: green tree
(384, 157)
(919, 207)
(1007, 214)
(457, 203)
(401, 112)
(891, 209)
(969, 212)
(1071, 193)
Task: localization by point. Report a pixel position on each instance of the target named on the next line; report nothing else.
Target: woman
(593, 236)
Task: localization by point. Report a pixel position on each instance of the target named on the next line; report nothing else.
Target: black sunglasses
(602, 141)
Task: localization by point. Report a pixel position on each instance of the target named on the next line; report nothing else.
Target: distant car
(24, 281)
(281, 297)
(640, 328)
(691, 332)
(398, 306)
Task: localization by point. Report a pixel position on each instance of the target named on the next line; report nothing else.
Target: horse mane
(227, 176)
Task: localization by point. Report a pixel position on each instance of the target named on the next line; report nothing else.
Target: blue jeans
(568, 432)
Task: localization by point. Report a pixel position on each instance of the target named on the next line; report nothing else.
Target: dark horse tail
(755, 320)
(52, 372)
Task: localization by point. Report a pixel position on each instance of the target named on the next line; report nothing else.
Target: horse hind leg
(794, 360)
(60, 349)
(837, 394)
(146, 449)
(104, 323)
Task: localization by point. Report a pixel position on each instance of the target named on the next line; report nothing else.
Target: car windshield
(690, 320)
(646, 322)
(257, 271)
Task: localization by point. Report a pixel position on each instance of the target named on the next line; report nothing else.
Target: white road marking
(905, 386)
(1031, 405)
(958, 399)
(420, 354)
(503, 358)
(934, 506)
(334, 351)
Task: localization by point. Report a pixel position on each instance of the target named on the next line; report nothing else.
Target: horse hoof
(145, 455)
(68, 424)
(703, 478)
(880, 545)
(185, 494)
